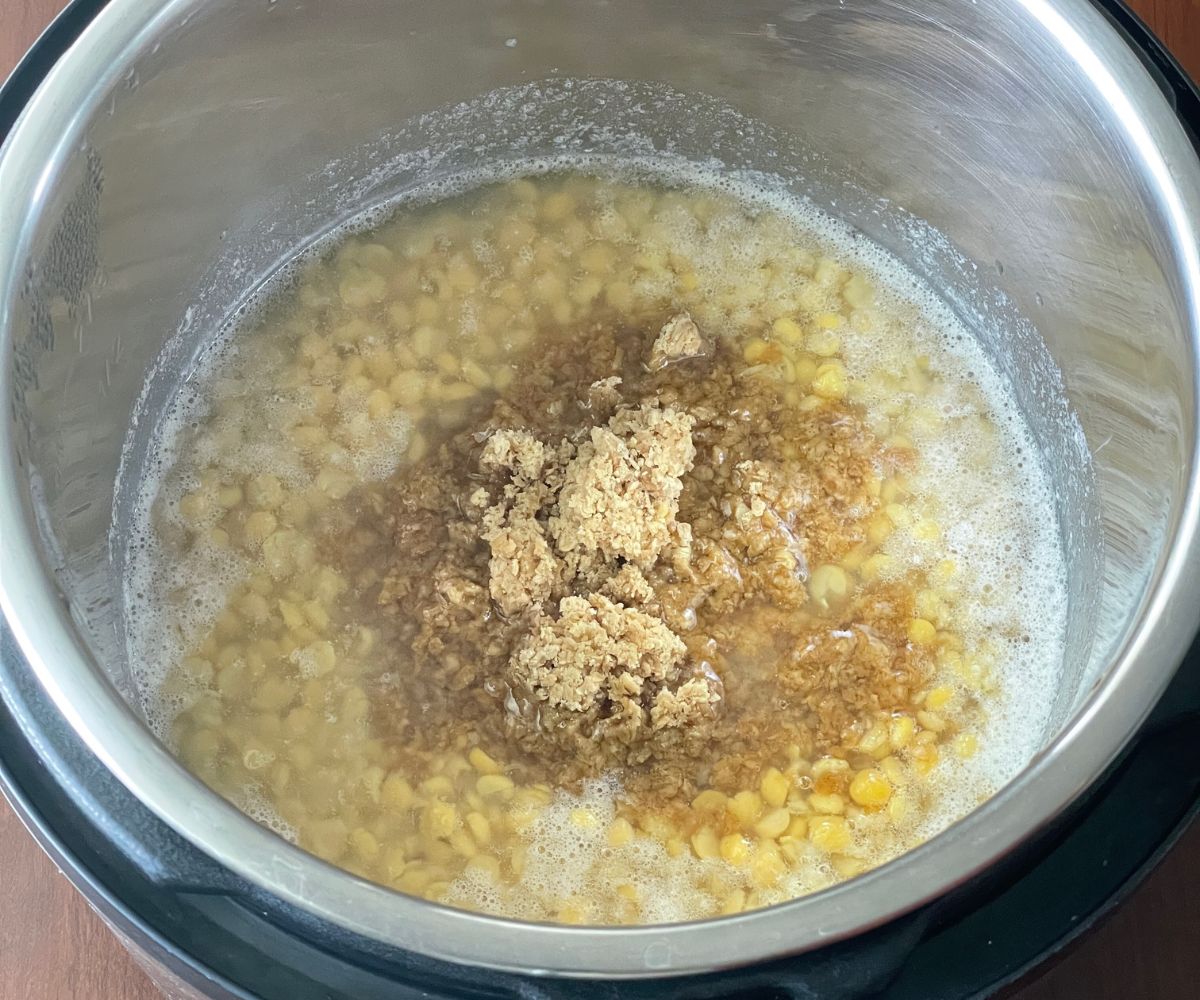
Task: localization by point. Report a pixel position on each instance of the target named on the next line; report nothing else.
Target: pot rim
(46, 134)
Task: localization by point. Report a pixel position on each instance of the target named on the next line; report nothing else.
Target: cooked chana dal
(599, 548)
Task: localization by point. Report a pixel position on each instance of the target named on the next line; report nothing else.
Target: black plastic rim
(1184, 97)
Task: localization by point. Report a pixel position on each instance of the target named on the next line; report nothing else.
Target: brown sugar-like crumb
(628, 586)
(605, 679)
(604, 394)
(611, 497)
(678, 340)
(523, 569)
(602, 679)
(602, 508)
(690, 706)
(858, 663)
(513, 451)
(461, 591)
(621, 491)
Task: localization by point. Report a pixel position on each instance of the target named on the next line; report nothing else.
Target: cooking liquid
(262, 652)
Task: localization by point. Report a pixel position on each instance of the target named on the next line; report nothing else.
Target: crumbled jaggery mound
(629, 586)
(621, 491)
(602, 506)
(604, 394)
(601, 679)
(460, 591)
(678, 340)
(513, 451)
(611, 497)
(523, 570)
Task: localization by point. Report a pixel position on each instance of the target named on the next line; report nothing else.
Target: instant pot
(1034, 160)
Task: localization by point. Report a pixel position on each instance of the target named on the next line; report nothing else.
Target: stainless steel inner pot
(1014, 153)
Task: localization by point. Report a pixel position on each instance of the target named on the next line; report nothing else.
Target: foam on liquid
(999, 525)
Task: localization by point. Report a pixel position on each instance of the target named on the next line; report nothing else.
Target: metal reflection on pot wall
(957, 137)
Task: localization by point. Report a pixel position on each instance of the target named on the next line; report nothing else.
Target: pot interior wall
(958, 137)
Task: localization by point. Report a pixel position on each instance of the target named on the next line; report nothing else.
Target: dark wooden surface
(52, 947)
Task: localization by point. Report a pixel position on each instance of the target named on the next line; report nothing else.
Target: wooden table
(52, 947)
